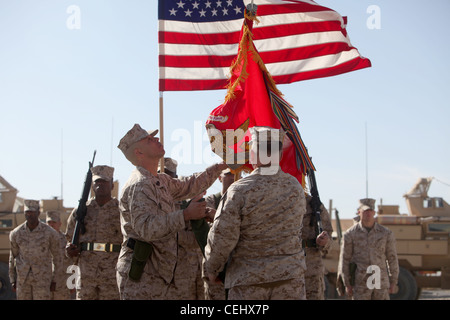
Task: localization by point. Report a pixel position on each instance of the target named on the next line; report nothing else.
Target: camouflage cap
(31, 205)
(102, 172)
(227, 170)
(135, 134)
(366, 204)
(170, 164)
(268, 134)
(53, 216)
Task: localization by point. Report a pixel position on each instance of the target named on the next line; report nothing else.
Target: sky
(65, 92)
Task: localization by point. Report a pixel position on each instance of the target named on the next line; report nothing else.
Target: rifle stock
(82, 209)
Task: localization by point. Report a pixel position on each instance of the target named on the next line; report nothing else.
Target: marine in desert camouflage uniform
(315, 247)
(189, 273)
(367, 244)
(216, 291)
(148, 216)
(100, 244)
(35, 257)
(257, 229)
(62, 292)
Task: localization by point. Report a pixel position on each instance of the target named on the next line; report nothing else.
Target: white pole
(367, 167)
(62, 131)
(112, 141)
(161, 127)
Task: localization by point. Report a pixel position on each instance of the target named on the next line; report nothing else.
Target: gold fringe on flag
(282, 109)
(246, 46)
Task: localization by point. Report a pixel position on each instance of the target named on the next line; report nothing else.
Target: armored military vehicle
(422, 241)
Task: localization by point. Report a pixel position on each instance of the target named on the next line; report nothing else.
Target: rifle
(315, 201)
(82, 209)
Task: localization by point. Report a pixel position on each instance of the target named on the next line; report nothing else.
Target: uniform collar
(262, 170)
(92, 202)
(39, 227)
(375, 228)
(155, 179)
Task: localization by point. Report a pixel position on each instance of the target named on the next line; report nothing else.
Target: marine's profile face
(151, 147)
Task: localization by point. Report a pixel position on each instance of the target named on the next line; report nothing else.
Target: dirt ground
(434, 294)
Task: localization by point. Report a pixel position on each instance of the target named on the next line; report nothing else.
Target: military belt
(309, 243)
(100, 247)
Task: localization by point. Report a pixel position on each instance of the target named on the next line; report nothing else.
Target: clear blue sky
(65, 93)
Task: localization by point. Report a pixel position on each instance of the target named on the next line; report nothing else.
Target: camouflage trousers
(31, 289)
(362, 293)
(60, 294)
(91, 290)
(214, 291)
(292, 289)
(98, 276)
(153, 287)
(315, 287)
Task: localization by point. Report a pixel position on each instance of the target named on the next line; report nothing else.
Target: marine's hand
(392, 288)
(210, 214)
(196, 209)
(322, 239)
(213, 279)
(72, 250)
(222, 165)
(349, 291)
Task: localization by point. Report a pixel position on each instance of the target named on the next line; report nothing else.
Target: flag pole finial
(251, 7)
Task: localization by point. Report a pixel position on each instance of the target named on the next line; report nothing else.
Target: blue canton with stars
(200, 10)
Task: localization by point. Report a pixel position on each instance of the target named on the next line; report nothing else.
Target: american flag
(297, 40)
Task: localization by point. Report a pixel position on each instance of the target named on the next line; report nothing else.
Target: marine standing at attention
(101, 243)
(370, 247)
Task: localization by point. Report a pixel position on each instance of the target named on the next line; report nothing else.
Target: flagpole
(161, 127)
(367, 167)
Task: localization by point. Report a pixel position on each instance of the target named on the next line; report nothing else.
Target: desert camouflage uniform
(188, 273)
(148, 214)
(214, 291)
(62, 292)
(257, 229)
(315, 270)
(97, 268)
(365, 249)
(34, 260)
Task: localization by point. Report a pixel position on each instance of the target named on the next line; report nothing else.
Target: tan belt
(100, 247)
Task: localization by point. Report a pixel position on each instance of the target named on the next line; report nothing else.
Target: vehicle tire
(6, 292)
(407, 286)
